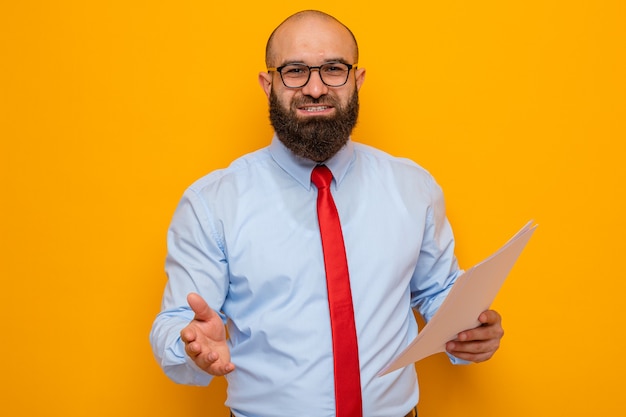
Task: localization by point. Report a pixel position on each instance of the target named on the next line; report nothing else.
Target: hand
(480, 343)
(205, 338)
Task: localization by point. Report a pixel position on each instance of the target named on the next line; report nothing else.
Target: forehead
(312, 40)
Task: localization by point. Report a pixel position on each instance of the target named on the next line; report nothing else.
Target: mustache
(320, 101)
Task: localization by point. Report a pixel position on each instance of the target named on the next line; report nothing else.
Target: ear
(265, 80)
(360, 77)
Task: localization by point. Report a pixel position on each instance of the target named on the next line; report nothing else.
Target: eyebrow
(327, 61)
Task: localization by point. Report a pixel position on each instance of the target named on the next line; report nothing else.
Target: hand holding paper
(480, 343)
(472, 294)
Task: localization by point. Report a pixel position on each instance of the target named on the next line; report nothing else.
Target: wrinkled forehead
(312, 40)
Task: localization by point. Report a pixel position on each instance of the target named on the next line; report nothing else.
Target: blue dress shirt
(246, 239)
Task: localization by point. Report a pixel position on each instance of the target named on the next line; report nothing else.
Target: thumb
(201, 309)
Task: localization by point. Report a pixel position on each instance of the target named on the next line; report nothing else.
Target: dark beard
(315, 138)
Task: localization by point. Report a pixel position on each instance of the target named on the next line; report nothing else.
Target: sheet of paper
(471, 294)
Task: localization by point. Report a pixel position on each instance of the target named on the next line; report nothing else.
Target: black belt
(412, 413)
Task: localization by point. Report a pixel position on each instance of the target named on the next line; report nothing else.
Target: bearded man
(311, 319)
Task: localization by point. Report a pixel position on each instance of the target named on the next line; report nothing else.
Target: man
(244, 249)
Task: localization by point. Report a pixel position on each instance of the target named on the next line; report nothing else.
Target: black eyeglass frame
(318, 68)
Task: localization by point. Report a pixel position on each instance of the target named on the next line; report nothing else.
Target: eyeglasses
(333, 74)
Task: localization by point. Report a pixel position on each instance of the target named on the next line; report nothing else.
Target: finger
(473, 357)
(490, 328)
(473, 347)
(485, 332)
(212, 363)
(188, 334)
(193, 349)
(481, 334)
(489, 317)
(473, 351)
(200, 307)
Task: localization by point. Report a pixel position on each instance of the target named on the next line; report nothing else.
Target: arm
(195, 263)
(436, 273)
(437, 268)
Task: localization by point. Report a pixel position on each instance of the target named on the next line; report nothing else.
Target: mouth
(316, 109)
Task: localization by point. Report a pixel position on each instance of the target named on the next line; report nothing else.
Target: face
(313, 121)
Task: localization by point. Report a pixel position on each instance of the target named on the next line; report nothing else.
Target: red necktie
(345, 347)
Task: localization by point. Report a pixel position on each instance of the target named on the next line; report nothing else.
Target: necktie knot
(321, 176)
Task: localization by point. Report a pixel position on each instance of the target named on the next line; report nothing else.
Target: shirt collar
(300, 168)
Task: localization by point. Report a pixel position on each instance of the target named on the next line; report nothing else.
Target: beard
(314, 138)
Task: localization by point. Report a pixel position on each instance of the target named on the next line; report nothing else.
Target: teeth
(318, 108)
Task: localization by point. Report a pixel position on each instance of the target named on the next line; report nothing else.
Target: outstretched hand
(478, 344)
(205, 338)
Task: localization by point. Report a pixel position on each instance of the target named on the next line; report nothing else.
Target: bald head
(307, 24)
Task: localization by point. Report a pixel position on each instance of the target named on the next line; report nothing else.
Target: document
(472, 293)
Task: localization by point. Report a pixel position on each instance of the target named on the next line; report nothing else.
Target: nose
(315, 87)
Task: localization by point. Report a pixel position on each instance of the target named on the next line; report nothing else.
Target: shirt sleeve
(437, 267)
(195, 263)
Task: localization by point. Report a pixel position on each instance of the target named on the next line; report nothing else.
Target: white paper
(471, 294)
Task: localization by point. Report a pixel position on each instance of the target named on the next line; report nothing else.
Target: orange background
(109, 109)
